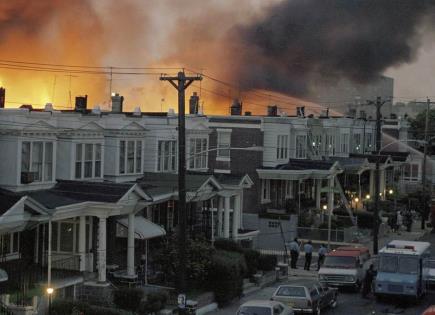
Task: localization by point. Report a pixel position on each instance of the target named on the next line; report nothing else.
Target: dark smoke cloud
(301, 42)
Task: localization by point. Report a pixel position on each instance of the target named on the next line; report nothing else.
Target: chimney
(2, 97)
(272, 110)
(137, 111)
(194, 104)
(236, 108)
(300, 111)
(117, 101)
(81, 103)
(248, 113)
(48, 107)
(351, 112)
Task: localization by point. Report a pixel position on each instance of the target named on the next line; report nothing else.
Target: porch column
(359, 187)
(102, 249)
(382, 184)
(227, 217)
(82, 243)
(372, 183)
(130, 245)
(220, 207)
(330, 206)
(236, 216)
(318, 191)
(49, 254)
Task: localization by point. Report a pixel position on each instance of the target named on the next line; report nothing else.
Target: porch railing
(4, 310)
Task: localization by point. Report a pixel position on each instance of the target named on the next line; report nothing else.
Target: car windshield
(255, 310)
(291, 291)
(408, 265)
(340, 262)
(388, 264)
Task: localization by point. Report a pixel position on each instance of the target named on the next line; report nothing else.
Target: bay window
(197, 158)
(166, 159)
(36, 159)
(301, 146)
(10, 245)
(130, 157)
(411, 172)
(65, 236)
(282, 147)
(88, 160)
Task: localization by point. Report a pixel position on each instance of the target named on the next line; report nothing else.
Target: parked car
(264, 307)
(306, 296)
(429, 311)
(345, 267)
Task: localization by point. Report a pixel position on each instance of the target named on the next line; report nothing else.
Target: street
(349, 303)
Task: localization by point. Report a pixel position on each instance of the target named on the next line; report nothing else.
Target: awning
(143, 228)
(3, 275)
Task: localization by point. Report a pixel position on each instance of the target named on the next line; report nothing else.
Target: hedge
(365, 220)
(267, 262)
(252, 258)
(226, 276)
(154, 302)
(65, 307)
(228, 245)
(128, 298)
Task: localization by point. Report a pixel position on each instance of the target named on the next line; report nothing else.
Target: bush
(228, 245)
(128, 298)
(365, 220)
(251, 257)
(267, 262)
(154, 303)
(226, 276)
(65, 307)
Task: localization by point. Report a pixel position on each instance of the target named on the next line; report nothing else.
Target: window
(357, 143)
(411, 172)
(130, 156)
(344, 144)
(223, 143)
(88, 160)
(301, 147)
(265, 190)
(9, 245)
(369, 142)
(282, 147)
(388, 264)
(166, 161)
(409, 265)
(330, 145)
(291, 291)
(37, 158)
(197, 158)
(65, 236)
(317, 145)
(273, 224)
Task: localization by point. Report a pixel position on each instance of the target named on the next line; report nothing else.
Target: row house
(296, 163)
(83, 191)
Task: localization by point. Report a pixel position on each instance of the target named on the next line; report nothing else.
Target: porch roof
(297, 169)
(240, 180)
(352, 164)
(143, 228)
(396, 156)
(67, 192)
(159, 185)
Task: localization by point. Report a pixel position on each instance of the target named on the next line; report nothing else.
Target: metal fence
(337, 235)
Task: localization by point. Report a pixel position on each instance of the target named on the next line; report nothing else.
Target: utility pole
(423, 177)
(181, 83)
(378, 104)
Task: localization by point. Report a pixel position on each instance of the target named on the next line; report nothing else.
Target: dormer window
(130, 157)
(88, 160)
(36, 161)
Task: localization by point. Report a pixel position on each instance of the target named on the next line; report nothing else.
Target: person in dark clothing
(308, 249)
(294, 253)
(368, 280)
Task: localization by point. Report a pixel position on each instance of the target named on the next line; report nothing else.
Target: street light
(390, 191)
(50, 293)
(368, 197)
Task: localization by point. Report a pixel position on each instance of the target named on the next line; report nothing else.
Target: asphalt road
(350, 303)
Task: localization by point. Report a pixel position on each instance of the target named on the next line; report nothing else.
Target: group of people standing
(401, 218)
(295, 248)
